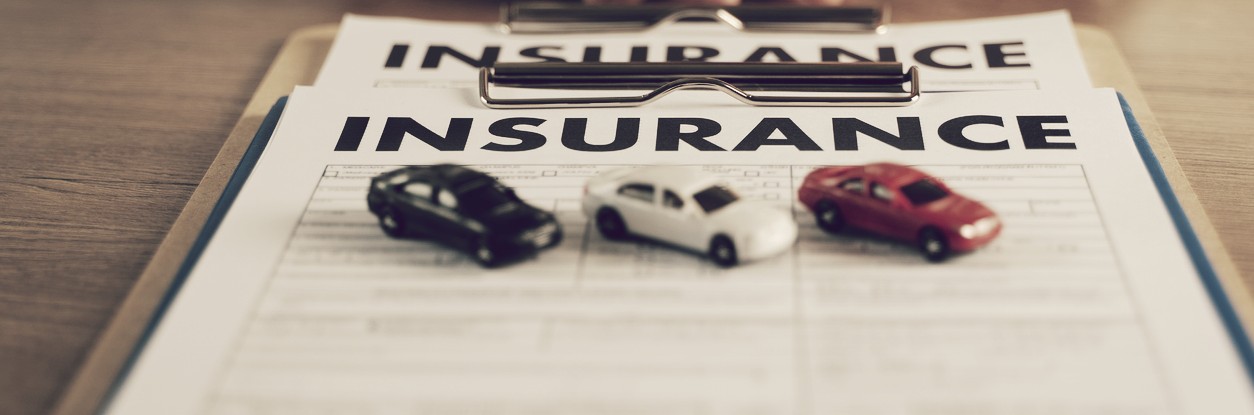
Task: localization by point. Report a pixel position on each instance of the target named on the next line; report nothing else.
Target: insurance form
(1035, 51)
(1088, 303)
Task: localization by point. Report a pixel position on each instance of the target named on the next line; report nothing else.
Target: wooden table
(110, 113)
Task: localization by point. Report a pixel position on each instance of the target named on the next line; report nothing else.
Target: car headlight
(537, 232)
(967, 231)
(986, 225)
(979, 228)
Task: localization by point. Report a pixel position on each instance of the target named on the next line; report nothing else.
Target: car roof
(892, 174)
(448, 176)
(681, 179)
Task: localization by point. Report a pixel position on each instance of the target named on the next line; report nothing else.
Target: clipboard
(298, 63)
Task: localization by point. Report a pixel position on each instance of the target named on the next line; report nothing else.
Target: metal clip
(863, 84)
(571, 18)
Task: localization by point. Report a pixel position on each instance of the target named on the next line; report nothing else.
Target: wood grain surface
(111, 112)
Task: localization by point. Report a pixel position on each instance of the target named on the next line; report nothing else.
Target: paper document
(1087, 303)
(1036, 51)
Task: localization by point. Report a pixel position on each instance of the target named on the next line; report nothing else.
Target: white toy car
(684, 207)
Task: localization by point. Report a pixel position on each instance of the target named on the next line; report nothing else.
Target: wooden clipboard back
(298, 63)
(1107, 68)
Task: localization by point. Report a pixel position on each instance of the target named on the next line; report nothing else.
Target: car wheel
(829, 216)
(392, 225)
(933, 244)
(723, 251)
(611, 224)
(484, 254)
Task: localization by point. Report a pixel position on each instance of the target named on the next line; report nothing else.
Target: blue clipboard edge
(1210, 280)
(1205, 270)
(229, 193)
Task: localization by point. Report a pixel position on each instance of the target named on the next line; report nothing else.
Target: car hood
(956, 210)
(514, 218)
(749, 217)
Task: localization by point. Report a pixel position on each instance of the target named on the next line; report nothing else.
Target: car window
(487, 198)
(418, 190)
(637, 191)
(923, 192)
(398, 178)
(714, 198)
(448, 199)
(882, 192)
(672, 200)
(853, 185)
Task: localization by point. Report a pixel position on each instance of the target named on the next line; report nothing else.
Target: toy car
(463, 209)
(686, 208)
(901, 203)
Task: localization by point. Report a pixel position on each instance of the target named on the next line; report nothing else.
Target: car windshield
(923, 192)
(714, 198)
(486, 198)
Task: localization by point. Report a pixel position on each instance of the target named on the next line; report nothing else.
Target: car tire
(392, 225)
(933, 245)
(611, 224)
(723, 251)
(829, 217)
(483, 254)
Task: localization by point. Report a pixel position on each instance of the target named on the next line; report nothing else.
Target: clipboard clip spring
(862, 84)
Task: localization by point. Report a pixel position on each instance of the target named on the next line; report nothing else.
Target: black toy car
(463, 209)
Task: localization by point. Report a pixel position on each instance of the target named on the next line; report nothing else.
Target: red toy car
(898, 202)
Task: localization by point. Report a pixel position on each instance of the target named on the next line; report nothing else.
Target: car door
(676, 222)
(889, 215)
(416, 204)
(850, 196)
(637, 204)
(453, 225)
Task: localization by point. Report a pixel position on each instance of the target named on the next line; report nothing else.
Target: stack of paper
(1090, 301)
